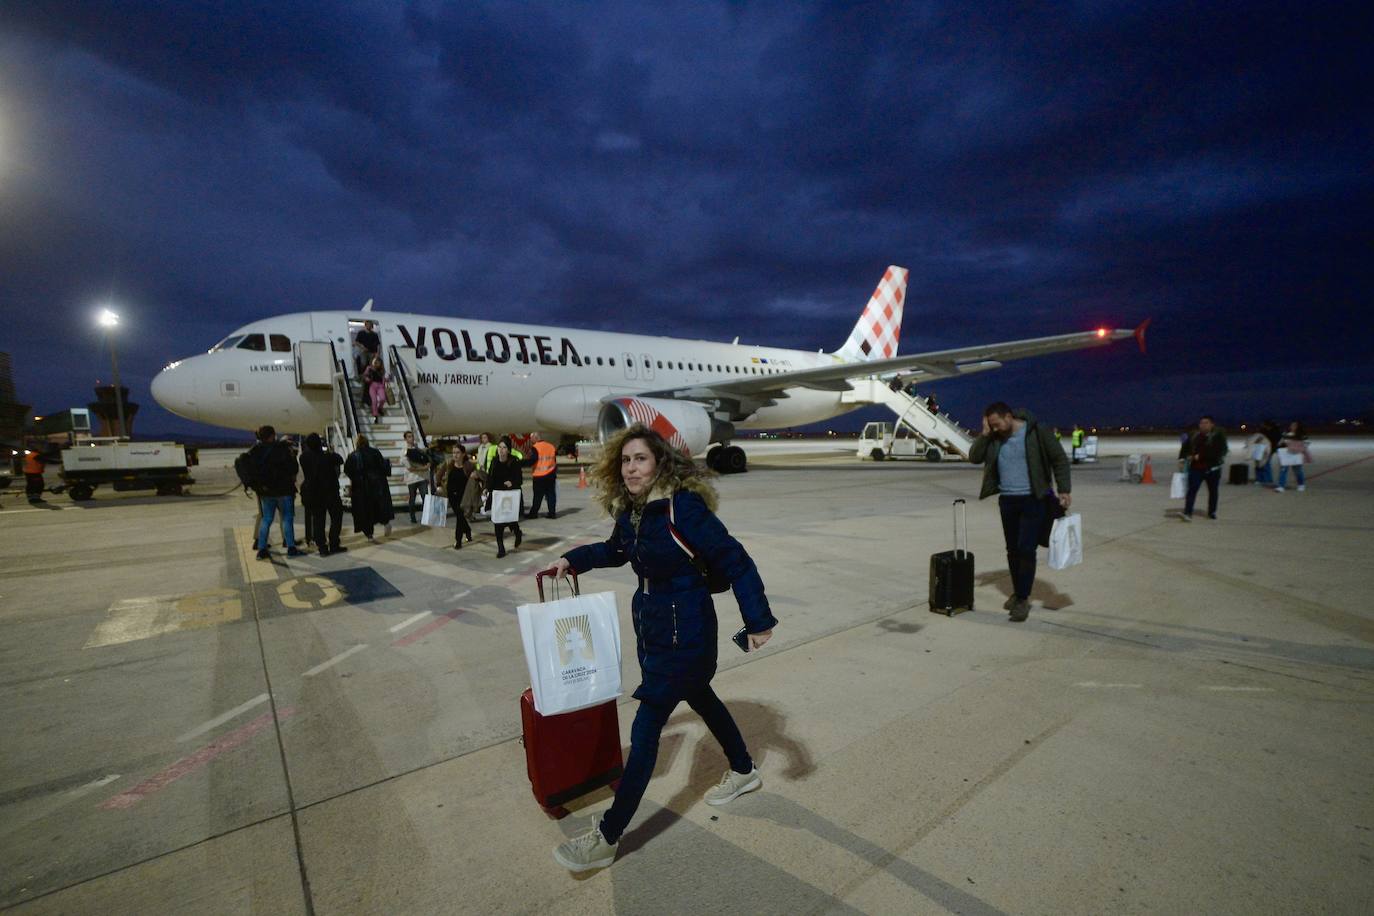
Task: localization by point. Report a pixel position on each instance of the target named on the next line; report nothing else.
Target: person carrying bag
(638, 478)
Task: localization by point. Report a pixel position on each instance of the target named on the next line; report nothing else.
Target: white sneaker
(1278, 489)
(585, 852)
(732, 785)
(1301, 487)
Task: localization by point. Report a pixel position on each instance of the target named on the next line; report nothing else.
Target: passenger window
(660, 364)
(598, 361)
(280, 343)
(253, 342)
(612, 360)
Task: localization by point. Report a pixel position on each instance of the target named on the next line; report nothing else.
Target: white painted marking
(409, 620)
(92, 786)
(506, 572)
(1097, 684)
(335, 660)
(1237, 689)
(221, 719)
(22, 511)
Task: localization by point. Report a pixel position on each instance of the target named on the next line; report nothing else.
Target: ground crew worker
(1077, 443)
(544, 476)
(33, 475)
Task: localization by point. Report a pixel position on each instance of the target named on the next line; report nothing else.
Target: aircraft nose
(175, 389)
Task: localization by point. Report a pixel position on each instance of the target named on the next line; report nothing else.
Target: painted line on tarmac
(335, 660)
(409, 620)
(92, 786)
(427, 629)
(1236, 689)
(1096, 684)
(221, 719)
(254, 570)
(192, 762)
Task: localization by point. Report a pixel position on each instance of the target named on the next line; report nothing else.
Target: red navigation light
(1101, 332)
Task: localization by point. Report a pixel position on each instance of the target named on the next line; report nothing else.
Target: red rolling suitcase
(570, 754)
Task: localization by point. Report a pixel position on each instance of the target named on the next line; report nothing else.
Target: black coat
(504, 475)
(369, 474)
(276, 466)
(321, 469)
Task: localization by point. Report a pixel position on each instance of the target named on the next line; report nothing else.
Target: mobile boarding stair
(351, 417)
(942, 435)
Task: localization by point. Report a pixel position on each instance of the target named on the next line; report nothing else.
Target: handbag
(435, 511)
(572, 650)
(1066, 542)
(505, 506)
(1053, 512)
(1178, 485)
(1289, 458)
(716, 581)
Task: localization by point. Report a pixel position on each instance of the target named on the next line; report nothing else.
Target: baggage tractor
(951, 571)
(1240, 473)
(570, 754)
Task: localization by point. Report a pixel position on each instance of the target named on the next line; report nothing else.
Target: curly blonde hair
(675, 471)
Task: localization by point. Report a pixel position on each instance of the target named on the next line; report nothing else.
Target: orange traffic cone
(582, 478)
(1148, 475)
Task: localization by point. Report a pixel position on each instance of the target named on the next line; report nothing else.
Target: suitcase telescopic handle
(570, 575)
(960, 507)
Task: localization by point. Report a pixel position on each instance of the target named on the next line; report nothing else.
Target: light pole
(109, 320)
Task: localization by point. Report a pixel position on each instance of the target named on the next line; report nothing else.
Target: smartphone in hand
(741, 639)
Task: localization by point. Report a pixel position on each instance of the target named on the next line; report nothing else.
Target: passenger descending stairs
(938, 429)
(386, 435)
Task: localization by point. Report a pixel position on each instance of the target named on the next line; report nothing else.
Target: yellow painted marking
(291, 597)
(132, 619)
(254, 570)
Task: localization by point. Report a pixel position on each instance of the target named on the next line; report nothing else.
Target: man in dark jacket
(1203, 455)
(1018, 459)
(274, 471)
(320, 493)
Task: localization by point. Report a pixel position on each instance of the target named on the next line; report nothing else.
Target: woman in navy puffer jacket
(640, 478)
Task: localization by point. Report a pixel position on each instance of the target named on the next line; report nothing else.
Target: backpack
(251, 471)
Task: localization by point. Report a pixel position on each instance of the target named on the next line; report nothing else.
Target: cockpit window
(227, 343)
(280, 343)
(253, 342)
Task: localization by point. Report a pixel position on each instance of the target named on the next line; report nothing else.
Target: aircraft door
(630, 370)
(648, 366)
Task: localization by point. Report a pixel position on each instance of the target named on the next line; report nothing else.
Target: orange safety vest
(547, 462)
(32, 465)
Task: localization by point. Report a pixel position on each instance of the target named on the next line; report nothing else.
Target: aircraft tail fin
(880, 325)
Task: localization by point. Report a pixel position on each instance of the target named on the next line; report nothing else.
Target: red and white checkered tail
(875, 336)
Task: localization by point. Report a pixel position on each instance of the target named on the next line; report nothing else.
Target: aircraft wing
(748, 393)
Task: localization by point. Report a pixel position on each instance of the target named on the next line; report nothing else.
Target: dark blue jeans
(1022, 518)
(1195, 481)
(649, 722)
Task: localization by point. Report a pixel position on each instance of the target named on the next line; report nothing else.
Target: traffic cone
(1148, 475)
(582, 478)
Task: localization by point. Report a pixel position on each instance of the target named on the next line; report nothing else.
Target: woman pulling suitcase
(654, 492)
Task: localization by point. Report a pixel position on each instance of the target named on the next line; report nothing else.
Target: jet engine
(686, 425)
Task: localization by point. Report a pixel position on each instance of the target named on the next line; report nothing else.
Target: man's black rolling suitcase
(1240, 473)
(951, 572)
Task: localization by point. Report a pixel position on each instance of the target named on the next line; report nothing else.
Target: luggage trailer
(160, 466)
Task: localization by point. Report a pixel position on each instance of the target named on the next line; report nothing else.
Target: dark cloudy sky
(707, 170)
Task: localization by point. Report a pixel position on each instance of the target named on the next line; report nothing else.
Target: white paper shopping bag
(1066, 542)
(435, 512)
(1178, 485)
(505, 506)
(572, 649)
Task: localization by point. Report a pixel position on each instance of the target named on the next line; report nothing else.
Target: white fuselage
(475, 376)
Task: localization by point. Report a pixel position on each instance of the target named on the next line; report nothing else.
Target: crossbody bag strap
(674, 533)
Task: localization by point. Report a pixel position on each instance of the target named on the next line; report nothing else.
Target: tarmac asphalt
(1182, 726)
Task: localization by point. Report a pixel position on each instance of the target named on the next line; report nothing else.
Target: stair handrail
(344, 397)
(399, 372)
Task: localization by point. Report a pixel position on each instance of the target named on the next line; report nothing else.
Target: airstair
(937, 429)
(352, 414)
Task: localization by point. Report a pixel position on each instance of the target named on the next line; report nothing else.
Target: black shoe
(264, 555)
(458, 544)
(1009, 604)
(412, 519)
(518, 537)
(1021, 610)
(469, 537)
(1212, 516)
(501, 552)
(293, 552)
(325, 551)
(550, 515)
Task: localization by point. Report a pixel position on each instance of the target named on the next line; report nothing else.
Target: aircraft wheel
(80, 492)
(934, 455)
(733, 460)
(713, 457)
(878, 455)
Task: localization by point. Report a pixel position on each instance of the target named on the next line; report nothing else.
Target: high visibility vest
(1077, 438)
(32, 465)
(547, 462)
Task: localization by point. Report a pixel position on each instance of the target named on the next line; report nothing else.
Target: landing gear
(727, 459)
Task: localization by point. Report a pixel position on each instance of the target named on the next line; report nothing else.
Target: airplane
(466, 376)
